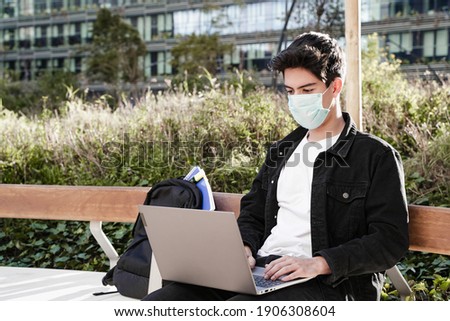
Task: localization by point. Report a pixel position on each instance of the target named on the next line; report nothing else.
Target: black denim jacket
(359, 216)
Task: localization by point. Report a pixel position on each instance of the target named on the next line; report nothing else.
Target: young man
(329, 201)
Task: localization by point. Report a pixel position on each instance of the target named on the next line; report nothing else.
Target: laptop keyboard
(263, 283)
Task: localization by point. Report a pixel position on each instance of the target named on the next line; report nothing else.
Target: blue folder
(198, 176)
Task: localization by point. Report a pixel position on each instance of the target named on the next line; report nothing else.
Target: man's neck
(332, 127)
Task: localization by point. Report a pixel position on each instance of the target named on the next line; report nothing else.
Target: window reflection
(235, 19)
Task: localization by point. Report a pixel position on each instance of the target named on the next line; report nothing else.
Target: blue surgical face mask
(307, 109)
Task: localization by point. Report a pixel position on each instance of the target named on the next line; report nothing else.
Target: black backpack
(131, 274)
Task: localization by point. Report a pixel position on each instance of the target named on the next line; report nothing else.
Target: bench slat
(228, 202)
(77, 203)
(429, 229)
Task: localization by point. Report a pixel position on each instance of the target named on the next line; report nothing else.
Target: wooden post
(353, 100)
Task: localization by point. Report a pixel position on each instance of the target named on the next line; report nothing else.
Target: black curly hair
(316, 52)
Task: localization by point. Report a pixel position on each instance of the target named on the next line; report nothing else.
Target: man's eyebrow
(303, 86)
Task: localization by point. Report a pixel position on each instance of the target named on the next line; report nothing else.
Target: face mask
(307, 109)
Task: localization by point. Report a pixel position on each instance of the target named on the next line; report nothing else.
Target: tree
(115, 50)
(197, 52)
(320, 15)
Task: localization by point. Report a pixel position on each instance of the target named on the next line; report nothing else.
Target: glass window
(147, 35)
(58, 63)
(370, 10)
(40, 39)
(78, 64)
(428, 44)
(168, 64)
(154, 27)
(394, 42)
(236, 57)
(25, 36)
(433, 6)
(161, 63)
(41, 66)
(133, 21)
(26, 7)
(86, 32)
(407, 44)
(233, 19)
(25, 69)
(11, 65)
(141, 26)
(400, 42)
(9, 8)
(74, 4)
(442, 42)
(74, 33)
(169, 22)
(161, 23)
(399, 8)
(9, 39)
(147, 65)
(72, 64)
(153, 63)
(57, 5)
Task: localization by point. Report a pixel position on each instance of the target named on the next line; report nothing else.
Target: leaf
(61, 227)
(83, 256)
(445, 285)
(62, 259)
(39, 243)
(38, 226)
(55, 248)
(38, 256)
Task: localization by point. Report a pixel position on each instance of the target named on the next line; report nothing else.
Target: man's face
(300, 81)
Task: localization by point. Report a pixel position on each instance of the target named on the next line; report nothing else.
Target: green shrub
(414, 118)
(31, 97)
(160, 136)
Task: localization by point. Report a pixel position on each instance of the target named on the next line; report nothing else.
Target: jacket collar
(347, 137)
(287, 145)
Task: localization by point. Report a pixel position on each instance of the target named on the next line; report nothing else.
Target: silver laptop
(203, 248)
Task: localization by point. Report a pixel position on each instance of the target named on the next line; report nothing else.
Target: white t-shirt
(292, 234)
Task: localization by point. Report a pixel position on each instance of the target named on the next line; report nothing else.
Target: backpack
(131, 274)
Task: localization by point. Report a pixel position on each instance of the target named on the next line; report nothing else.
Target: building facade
(49, 34)
(416, 31)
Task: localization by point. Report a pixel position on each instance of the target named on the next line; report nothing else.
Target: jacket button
(271, 182)
(345, 195)
(275, 217)
(281, 153)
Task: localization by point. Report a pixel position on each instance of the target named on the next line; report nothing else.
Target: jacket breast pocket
(345, 211)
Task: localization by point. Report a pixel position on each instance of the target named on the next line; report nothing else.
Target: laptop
(203, 248)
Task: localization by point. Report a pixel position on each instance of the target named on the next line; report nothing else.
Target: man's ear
(337, 86)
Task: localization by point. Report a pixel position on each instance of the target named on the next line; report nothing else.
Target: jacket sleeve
(251, 220)
(386, 214)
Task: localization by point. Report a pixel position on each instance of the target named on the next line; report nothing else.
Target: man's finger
(274, 267)
(251, 261)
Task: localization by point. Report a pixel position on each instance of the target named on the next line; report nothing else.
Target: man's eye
(307, 91)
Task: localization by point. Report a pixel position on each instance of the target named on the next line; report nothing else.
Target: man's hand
(250, 258)
(294, 267)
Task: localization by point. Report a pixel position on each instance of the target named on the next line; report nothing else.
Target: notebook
(203, 248)
(197, 175)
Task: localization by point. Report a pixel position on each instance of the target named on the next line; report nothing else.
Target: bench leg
(399, 282)
(96, 229)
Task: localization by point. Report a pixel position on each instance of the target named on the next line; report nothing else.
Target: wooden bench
(428, 231)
